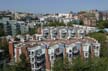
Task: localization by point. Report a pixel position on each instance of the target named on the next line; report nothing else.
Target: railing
(39, 67)
(38, 55)
(60, 52)
(40, 60)
(32, 61)
(32, 56)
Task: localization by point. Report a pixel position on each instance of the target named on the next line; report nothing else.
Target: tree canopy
(21, 66)
(1, 30)
(96, 64)
(55, 24)
(101, 24)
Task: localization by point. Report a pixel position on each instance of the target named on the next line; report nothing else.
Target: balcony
(32, 61)
(63, 35)
(58, 51)
(40, 60)
(39, 67)
(75, 51)
(72, 34)
(39, 55)
(45, 34)
(32, 56)
(54, 35)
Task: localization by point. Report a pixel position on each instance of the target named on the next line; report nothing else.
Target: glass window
(57, 50)
(29, 52)
(32, 59)
(96, 47)
(52, 57)
(86, 54)
(96, 54)
(70, 50)
(38, 52)
(32, 53)
(70, 55)
(32, 65)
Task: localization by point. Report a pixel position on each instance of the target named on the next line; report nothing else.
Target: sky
(52, 6)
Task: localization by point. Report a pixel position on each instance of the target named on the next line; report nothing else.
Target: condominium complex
(41, 50)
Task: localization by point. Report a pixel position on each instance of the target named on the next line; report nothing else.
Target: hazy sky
(52, 6)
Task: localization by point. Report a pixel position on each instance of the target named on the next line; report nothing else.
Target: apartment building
(66, 32)
(42, 54)
(89, 18)
(37, 58)
(41, 50)
(14, 27)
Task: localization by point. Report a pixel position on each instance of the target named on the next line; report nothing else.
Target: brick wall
(48, 64)
(11, 49)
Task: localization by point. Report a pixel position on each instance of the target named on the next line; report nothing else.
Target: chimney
(11, 49)
(48, 64)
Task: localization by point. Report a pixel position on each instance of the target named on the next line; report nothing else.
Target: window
(63, 35)
(70, 55)
(32, 65)
(52, 57)
(96, 54)
(38, 52)
(97, 47)
(86, 54)
(32, 59)
(70, 50)
(72, 34)
(29, 52)
(75, 49)
(54, 33)
(57, 50)
(32, 53)
(46, 35)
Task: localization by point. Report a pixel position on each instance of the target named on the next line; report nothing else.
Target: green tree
(101, 24)
(56, 23)
(81, 22)
(58, 65)
(78, 64)
(101, 37)
(23, 64)
(4, 46)
(67, 64)
(61, 64)
(70, 24)
(32, 31)
(1, 30)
